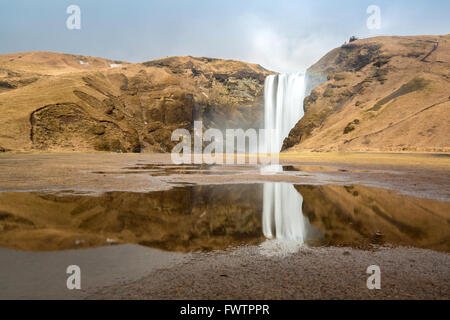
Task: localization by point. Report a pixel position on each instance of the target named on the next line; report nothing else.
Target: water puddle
(157, 170)
(122, 236)
(42, 275)
(200, 169)
(216, 217)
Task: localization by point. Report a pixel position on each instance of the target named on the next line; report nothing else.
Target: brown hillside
(379, 94)
(52, 102)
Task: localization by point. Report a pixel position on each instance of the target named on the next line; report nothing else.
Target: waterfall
(283, 222)
(283, 107)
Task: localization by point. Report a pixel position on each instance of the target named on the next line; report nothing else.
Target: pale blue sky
(281, 35)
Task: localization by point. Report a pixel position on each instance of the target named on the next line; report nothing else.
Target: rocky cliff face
(378, 94)
(60, 102)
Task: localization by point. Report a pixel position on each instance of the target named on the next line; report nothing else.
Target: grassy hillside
(61, 102)
(378, 94)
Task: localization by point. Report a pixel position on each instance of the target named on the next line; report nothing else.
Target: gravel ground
(310, 273)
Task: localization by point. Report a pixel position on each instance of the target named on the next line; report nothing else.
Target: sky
(281, 35)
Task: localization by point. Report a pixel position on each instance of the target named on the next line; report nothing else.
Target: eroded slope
(379, 94)
(60, 102)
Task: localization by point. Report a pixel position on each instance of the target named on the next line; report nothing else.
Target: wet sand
(425, 176)
(250, 272)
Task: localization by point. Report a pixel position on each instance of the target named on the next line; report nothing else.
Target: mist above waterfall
(283, 107)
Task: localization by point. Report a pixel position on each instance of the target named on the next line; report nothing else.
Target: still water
(215, 217)
(128, 234)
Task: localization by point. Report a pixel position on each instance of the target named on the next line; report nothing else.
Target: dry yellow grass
(381, 95)
(51, 101)
(434, 160)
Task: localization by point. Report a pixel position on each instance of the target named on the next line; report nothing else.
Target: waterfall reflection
(284, 225)
(282, 213)
(280, 217)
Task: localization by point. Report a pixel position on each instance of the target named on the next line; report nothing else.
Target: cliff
(378, 94)
(61, 102)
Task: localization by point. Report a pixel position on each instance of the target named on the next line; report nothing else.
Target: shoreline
(423, 176)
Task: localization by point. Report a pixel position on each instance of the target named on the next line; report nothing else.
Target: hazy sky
(281, 35)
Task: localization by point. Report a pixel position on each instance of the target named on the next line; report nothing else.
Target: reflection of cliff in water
(215, 217)
(358, 216)
(181, 219)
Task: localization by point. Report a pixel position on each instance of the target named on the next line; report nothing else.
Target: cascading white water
(283, 221)
(283, 107)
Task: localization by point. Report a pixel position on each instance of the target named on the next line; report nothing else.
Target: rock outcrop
(60, 102)
(378, 94)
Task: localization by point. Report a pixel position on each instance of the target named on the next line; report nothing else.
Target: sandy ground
(251, 272)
